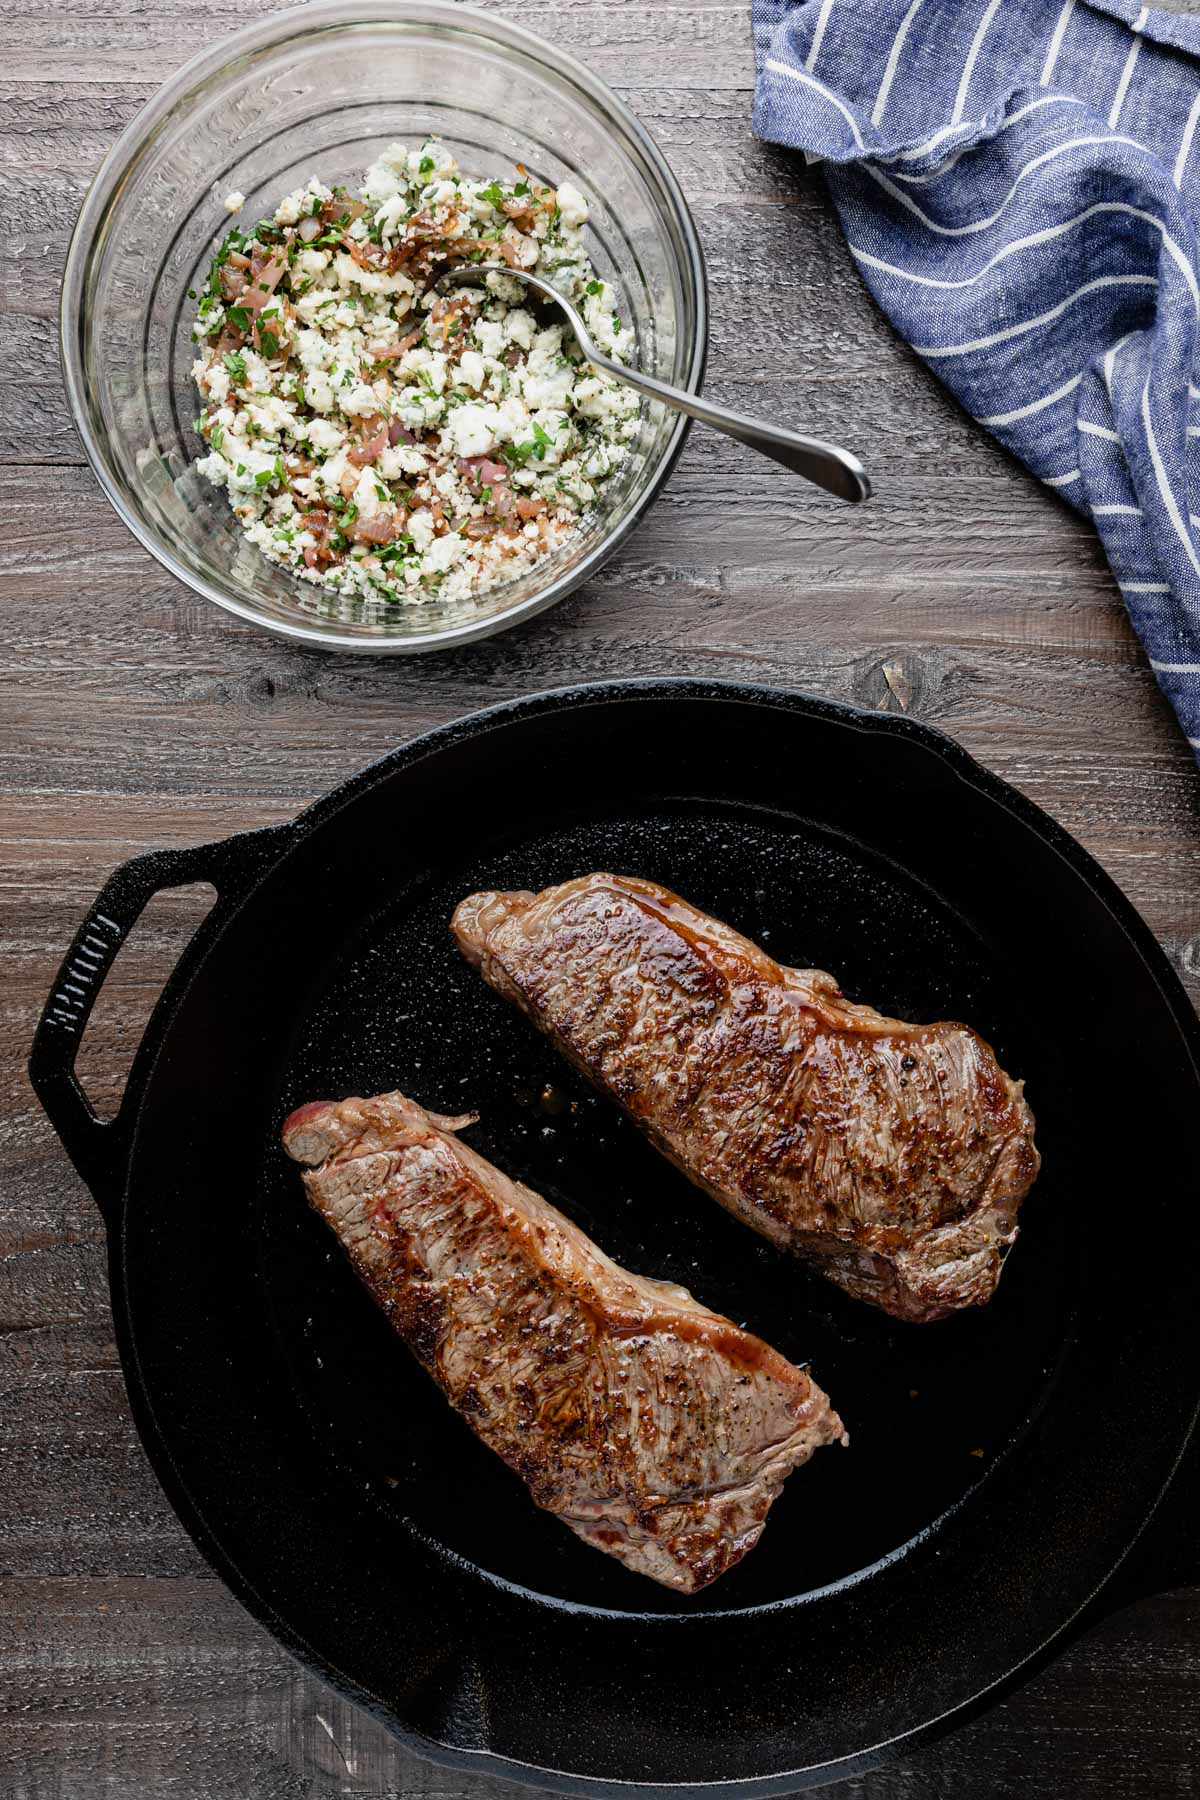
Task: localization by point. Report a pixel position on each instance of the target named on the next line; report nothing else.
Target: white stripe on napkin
(1060, 32)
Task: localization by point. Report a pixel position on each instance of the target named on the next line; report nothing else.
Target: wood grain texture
(134, 715)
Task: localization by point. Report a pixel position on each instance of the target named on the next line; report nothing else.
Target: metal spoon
(829, 467)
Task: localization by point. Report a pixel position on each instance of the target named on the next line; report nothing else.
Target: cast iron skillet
(1001, 1463)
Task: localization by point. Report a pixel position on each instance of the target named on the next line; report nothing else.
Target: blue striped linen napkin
(1018, 181)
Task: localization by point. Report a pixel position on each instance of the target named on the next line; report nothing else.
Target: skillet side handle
(99, 1148)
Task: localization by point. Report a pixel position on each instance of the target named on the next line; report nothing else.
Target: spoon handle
(830, 467)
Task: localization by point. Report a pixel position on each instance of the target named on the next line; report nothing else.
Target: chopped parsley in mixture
(392, 443)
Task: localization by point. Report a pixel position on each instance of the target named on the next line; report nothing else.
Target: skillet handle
(99, 1148)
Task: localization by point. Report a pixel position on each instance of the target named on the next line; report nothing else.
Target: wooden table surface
(135, 715)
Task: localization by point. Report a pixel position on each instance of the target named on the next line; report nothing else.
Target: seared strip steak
(655, 1429)
(893, 1156)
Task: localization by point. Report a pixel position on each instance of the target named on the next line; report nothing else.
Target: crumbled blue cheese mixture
(386, 441)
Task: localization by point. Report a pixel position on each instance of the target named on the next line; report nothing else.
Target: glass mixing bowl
(322, 89)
